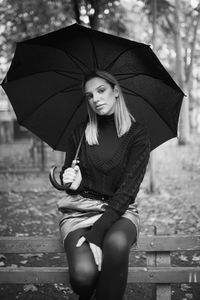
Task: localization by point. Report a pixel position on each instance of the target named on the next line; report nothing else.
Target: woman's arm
(127, 190)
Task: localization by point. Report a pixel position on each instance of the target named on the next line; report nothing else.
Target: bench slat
(53, 244)
(41, 275)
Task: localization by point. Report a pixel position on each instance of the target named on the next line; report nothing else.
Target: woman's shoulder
(137, 127)
(139, 131)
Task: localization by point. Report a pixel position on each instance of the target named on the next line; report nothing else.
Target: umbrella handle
(58, 186)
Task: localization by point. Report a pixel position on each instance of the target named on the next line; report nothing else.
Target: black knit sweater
(115, 169)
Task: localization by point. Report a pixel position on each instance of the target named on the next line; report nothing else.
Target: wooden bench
(158, 269)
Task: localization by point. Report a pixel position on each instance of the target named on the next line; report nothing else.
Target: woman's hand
(97, 252)
(73, 176)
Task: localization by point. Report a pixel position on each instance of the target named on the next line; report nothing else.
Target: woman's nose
(95, 98)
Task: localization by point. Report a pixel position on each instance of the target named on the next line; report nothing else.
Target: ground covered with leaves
(28, 207)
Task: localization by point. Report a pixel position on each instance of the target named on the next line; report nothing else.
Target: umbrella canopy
(43, 83)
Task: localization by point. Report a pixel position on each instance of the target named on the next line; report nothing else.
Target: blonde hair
(122, 116)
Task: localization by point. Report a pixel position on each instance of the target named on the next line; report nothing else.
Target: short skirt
(81, 212)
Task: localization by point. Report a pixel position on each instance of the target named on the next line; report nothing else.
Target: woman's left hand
(97, 252)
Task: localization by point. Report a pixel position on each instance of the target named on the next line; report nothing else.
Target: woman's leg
(116, 247)
(83, 271)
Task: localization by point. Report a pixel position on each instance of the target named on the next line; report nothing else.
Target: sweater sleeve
(127, 190)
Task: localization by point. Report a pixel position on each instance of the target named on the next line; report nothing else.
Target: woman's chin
(101, 112)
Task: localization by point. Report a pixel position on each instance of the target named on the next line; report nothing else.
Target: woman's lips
(99, 106)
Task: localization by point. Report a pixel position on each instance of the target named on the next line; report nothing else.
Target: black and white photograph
(99, 150)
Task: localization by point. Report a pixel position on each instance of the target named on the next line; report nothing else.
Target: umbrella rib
(129, 75)
(68, 76)
(138, 74)
(43, 102)
(75, 60)
(126, 74)
(116, 58)
(46, 71)
(130, 92)
(68, 122)
(149, 75)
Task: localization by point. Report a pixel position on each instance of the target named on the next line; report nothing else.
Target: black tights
(110, 283)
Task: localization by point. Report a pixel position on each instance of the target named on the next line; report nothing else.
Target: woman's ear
(116, 91)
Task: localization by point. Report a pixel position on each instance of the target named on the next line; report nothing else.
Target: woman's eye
(88, 97)
(101, 91)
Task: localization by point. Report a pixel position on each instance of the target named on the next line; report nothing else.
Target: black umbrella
(44, 83)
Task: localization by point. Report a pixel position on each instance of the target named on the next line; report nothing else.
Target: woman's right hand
(73, 176)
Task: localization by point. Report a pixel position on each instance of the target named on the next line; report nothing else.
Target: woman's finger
(97, 255)
(69, 172)
(69, 176)
(76, 168)
(80, 241)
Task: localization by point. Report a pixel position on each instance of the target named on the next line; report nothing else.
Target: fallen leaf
(30, 287)
(185, 287)
(2, 257)
(13, 266)
(61, 287)
(189, 296)
(195, 258)
(183, 257)
(21, 234)
(23, 262)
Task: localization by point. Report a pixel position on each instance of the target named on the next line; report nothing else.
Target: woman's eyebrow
(102, 85)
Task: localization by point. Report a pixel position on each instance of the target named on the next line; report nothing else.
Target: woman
(113, 158)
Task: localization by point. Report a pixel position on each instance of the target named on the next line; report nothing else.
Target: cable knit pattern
(132, 179)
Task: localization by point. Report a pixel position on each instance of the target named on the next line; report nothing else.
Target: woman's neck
(106, 118)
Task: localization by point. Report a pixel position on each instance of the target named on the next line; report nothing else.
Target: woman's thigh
(80, 259)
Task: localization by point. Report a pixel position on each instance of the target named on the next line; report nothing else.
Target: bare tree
(152, 164)
(184, 115)
(180, 21)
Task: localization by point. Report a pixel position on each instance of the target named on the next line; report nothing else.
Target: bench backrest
(53, 244)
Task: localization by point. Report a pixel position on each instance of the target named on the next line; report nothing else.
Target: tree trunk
(184, 130)
(94, 20)
(189, 67)
(76, 8)
(152, 161)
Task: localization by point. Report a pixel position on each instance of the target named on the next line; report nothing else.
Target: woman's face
(101, 96)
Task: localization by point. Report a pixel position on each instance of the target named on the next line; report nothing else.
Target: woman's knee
(83, 277)
(116, 246)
